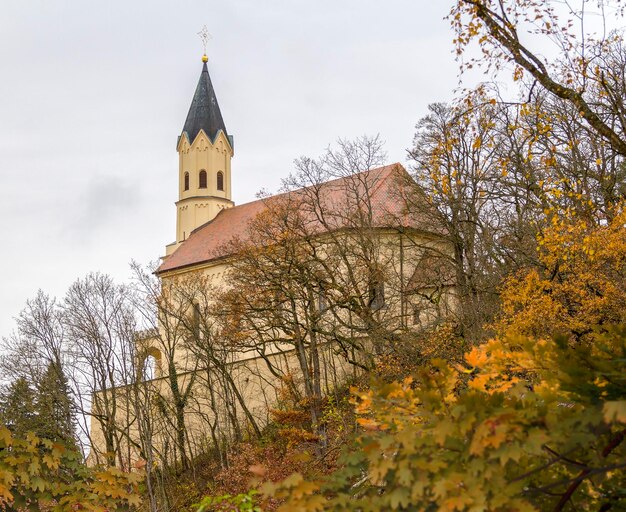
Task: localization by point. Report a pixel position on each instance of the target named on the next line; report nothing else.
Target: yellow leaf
(476, 358)
(5, 436)
(368, 424)
(479, 382)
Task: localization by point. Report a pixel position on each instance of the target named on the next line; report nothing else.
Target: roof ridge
(325, 183)
(377, 186)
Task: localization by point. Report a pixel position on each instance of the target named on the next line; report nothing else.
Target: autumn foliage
(580, 286)
(532, 420)
(39, 474)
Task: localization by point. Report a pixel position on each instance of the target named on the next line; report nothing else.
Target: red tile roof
(211, 240)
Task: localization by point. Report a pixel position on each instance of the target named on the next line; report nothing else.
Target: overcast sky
(94, 94)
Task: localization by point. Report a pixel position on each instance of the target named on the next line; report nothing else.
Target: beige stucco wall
(260, 387)
(398, 253)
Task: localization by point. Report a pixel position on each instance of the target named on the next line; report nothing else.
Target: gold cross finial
(205, 37)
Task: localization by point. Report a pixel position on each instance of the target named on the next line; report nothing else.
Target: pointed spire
(204, 113)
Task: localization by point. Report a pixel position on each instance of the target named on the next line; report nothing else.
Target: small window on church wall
(322, 301)
(195, 320)
(186, 181)
(220, 180)
(202, 181)
(377, 294)
(416, 316)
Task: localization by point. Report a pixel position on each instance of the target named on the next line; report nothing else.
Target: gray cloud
(104, 203)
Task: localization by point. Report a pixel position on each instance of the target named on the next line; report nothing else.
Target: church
(206, 216)
(238, 328)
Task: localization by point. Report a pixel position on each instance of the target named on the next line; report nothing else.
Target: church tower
(204, 153)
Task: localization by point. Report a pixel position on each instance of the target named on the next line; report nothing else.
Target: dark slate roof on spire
(204, 113)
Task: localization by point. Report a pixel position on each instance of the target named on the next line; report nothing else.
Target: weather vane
(204, 37)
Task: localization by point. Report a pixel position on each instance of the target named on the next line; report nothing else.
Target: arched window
(151, 364)
(149, 367)
(220, 180)
(186, 181)
(202, 180)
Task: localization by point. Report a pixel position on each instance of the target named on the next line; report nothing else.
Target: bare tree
(39, 340)
(38, 354)
(458, 171)
(319, 272)
(101, 329)
(168, 315)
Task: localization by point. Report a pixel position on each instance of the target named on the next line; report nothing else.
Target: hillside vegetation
(515, 400)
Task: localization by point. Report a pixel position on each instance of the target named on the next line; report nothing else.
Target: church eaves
(204, 113)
